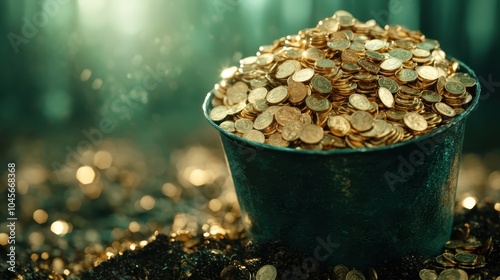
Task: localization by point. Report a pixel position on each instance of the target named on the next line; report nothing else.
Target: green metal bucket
(358, 206)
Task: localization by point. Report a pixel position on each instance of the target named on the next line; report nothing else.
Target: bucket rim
(210, 95)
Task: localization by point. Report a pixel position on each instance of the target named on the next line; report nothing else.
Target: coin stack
(343, 84)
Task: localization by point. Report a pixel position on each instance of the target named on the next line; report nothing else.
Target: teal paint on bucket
(355, 206)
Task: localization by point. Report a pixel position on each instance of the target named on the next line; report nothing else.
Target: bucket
(356, 207)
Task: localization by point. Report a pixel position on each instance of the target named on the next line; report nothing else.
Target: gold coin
(277, 95)
(349, 56)
(303, 75)
(368, 65)
(421, 53)
(267, 272)
(311, 134)
(401, 54)
(321, 84)
(263, 121)
(339, 126)
(427, 274)
(380, 129)
(257, 93)
(354, 275)
(254, 135)
(261, 105)
(235, 109)
(444, 109)
(277, 140)
(406, 75)
(243, 125)
(427, 73)
(359, 102)
(287, 114)
(415, 121)
(313, 54)
(286, 69)
(454, 87)
(374, 56)
(325, 63)
(227, 126)
(265, 59)
(391, 64)
(361, 121)
(290, 131)
(389, 84)
(297, 92)
(386, 97)
(431, 96)
(339, 44)
(454, 274)
(228, 73)
(317, 103)
(375, 44)
(218, 113)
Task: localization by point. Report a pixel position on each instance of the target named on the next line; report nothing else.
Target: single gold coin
(277, 140)
(228, 73)
(354, 275)
(290, 131)
(303, 75)
(368, 65)
(359, 102)
(415, 121)
(263, 121)
(254, 135)
(265, 59)
(401, 54)
(444, 109)
(452, 274)
(277, 95)
(235, 109)
(339, 44)
(454, 87)
(297, 92)
(311, 134)
(361, 121)
(406, 75)
(285, 70)
(267, 272)
(228, 126)
(317, 103)
(431, 96)
(243, 125)
(375, 44)
(257, 93)
(339, 126)
(287, 114)
(218, 113)
(427, 274)
(386, 97)
(349, 56)
(391, 64)
(421, 53)
(389, 84)
(321, 84)
(429, 73)
(313, 54)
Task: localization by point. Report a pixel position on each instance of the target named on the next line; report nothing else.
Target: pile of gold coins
(462, 255)
(343, 84)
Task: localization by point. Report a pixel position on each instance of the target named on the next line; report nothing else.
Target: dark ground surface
(183, 256)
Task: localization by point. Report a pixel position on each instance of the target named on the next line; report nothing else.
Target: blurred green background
(146, 65)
